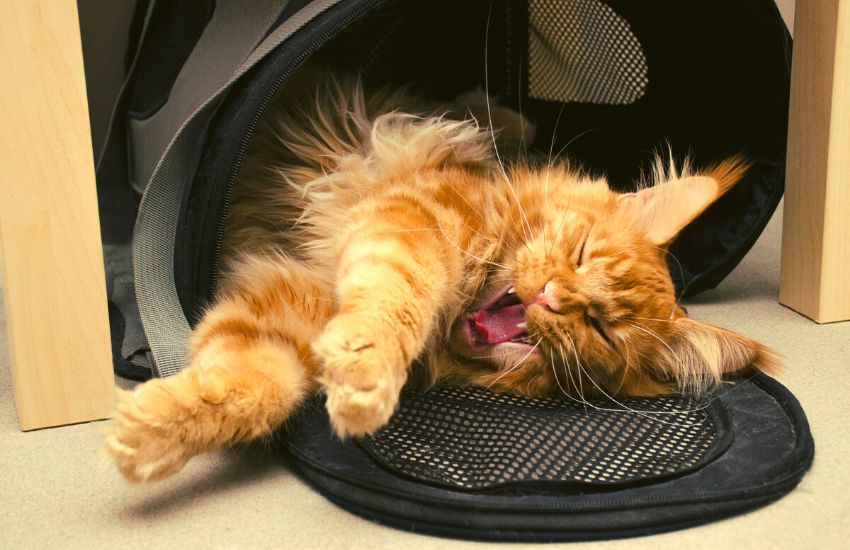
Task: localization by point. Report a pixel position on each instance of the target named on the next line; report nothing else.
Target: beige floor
(56, 492)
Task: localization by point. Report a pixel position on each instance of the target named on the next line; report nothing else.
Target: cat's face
(582, 301)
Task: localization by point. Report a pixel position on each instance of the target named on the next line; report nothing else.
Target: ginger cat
(369, 239)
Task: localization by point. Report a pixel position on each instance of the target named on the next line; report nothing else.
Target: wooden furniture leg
(53, 278)
(815, 265)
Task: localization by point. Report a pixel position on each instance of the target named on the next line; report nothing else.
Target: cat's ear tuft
(664, 209)
(699, 355)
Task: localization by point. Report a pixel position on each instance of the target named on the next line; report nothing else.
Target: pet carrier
(605, 81)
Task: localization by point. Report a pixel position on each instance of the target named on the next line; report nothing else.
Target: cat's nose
(560, 299)
(549, 299)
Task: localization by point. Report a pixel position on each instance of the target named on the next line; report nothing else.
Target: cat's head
(582, 301)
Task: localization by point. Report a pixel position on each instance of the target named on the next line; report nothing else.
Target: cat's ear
(666, 208)
(700, 354)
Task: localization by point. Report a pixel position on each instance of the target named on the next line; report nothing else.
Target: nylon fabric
(156, 225)
(228, 39)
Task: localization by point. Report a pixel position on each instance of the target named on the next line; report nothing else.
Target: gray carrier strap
(156, 224)
(231, 35)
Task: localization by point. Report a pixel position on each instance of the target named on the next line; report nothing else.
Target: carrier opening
(603, 84)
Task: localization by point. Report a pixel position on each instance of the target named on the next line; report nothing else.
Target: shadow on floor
(240, 466)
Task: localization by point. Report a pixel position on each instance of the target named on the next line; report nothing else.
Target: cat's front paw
(362, 376)
(145, 442)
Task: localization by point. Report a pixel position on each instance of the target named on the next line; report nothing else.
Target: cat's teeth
(522, 325)
(512, 290)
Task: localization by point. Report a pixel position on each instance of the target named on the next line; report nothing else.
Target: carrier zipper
(243, 147)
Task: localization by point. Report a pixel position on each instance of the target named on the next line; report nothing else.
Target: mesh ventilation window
(582, 51)
(474, 439)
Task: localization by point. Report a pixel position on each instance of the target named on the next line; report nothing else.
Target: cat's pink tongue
(500, 325)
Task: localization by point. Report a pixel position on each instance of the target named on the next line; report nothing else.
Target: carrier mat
(472, 464)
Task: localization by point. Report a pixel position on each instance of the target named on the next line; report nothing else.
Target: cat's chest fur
(314, 168)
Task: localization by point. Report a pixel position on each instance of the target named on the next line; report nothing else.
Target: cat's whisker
(549, 164)
(527, 355)
(667, 252)
(463, 198)
(470, 254)
(522, 144)
(527, 226)
(515, 365)
(557, 235)
(646, 414)
(394, 231)
(584, 402)
(562, 149)
(463, 295)
(560, 226)
(652, 333)
(578, 374)
(650, 319)
(717, 395)
(681, 294)
(625, 408)
(566, 394)
(477, 233)
(665, 344)
(555, 374)
(626, 345)
(552, 142)
(566, 366)
(569, 373)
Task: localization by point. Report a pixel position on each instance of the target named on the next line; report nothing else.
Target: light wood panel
(53, 279)
(815, 264)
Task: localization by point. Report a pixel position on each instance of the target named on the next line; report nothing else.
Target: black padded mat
(471, 438)
(762, 448)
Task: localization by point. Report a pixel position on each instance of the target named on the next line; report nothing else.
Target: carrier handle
(154, 237)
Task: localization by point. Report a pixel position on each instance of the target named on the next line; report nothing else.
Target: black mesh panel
(475, 439)
(583, 51)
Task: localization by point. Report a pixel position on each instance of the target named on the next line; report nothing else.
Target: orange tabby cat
(364, 238)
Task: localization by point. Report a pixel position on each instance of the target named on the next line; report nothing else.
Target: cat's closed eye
(595, 318)
(581, 252)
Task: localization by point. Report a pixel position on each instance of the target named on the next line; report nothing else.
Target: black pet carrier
(607, 82)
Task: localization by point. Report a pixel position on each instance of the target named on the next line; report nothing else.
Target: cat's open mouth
(497, 320)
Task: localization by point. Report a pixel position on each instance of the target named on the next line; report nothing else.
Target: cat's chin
(508, 350)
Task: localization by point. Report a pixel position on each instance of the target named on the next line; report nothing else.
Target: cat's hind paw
(142, 442)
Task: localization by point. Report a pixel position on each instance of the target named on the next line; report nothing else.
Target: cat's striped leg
(250, 366)
(395, 268)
